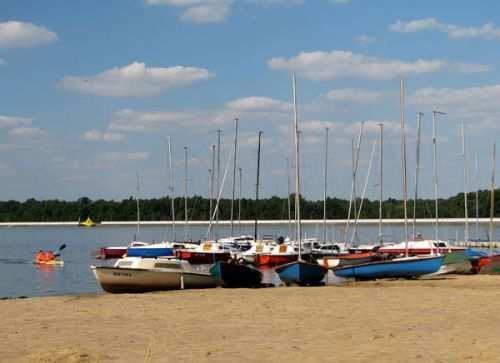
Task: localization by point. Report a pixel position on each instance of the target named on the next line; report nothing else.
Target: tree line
(272, 208)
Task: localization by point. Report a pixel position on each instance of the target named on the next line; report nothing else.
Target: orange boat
(279, 255)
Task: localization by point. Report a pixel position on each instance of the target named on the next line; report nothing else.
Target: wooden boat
(207, 252)
(232, 274)
(278, 255)
(136, 274)
(346, 259)
(406, 267)
(301, 273)
(250, 255)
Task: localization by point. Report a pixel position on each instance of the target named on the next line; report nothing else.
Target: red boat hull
(274, 260)
(202, 257)
(113, 252)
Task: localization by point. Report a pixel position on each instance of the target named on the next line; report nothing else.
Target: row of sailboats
(411, 258)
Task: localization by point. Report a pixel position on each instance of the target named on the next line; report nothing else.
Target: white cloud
(356, 95)
(332, 65)
(456, 32)
(96, 135)
(255, 103)
(12, 121)
(114, 156)
(26, 132)
(17, 34)
(365, 39)
(199, 11)
(474, 104)
(136, 80)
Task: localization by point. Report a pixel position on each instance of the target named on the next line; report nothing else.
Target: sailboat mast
(257, 188)
(466, 226)
(288, 198)
(403, 159)
(381, 141)
(234, 173)
(492, 198)
(212, 173)
(171, 186)
(434, 153)
(185, 192)
(325, 185)
(417, 172)
(239, 200)
(219, 131)
(297, 174)
(137, 205)
(477, 196)
(355, 155)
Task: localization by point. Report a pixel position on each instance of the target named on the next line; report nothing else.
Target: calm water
(18, 245)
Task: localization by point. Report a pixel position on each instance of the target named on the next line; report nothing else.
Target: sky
(91, 90)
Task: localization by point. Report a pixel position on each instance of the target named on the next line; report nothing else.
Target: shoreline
(452, 318)
(421, 221)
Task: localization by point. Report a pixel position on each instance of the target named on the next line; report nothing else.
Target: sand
(452, 319)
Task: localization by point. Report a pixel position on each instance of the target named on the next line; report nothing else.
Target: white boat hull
(130, 280)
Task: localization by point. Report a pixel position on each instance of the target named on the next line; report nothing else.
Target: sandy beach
(452, 319)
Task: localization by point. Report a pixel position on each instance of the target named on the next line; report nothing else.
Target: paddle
(61, 247)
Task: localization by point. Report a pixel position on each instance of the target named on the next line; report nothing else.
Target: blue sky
(89, 91)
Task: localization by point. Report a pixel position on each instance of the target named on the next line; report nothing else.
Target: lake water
(18, 245)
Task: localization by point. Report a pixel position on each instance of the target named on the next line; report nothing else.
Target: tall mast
(325, 185)
(477, 197)
(297, 174)
(239, 200)
(355, 155)
(466, 226)
(212, 173)
(257, 187)
(219, 131)
(137, 205)
(185, 192)
(171, 186)
(288, 198)
(381, 141)
(492, 199)
(403, 158)
(234, 173)
(436, 194)
(417, 171)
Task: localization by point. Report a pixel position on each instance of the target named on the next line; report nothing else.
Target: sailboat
(87, 223)
(407, 266)
(232, 273)
(491, 265)
(299, 272)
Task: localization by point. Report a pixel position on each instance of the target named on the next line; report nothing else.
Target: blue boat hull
(145, 251)
(301, 273)
(393, 268)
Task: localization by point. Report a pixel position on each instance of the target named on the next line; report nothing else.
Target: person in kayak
(43, 256)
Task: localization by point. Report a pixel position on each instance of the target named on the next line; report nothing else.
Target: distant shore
(451, 319)
(421, 221)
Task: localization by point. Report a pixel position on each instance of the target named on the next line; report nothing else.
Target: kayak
(50, 263)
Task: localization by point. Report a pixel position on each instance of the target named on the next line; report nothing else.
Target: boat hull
(125, 280)
(202, 257)
(106, 253)
(490, 265)
(403, 267)
(235, 275)
(301, 273)
(274, 260)
(347, 259)
(145, 251)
